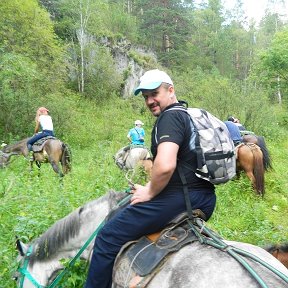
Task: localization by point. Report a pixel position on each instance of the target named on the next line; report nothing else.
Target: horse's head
(30, 274)
(39, 262)
(4, 159)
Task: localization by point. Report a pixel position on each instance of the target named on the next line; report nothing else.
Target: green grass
(31, 204)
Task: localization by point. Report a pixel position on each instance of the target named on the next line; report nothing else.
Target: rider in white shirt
(43, 120)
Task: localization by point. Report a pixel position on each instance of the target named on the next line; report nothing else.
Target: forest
(82, 59)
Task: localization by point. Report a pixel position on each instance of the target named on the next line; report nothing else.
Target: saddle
(38, 145)
(143, 258)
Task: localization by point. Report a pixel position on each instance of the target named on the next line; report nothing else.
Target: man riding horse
(154, 205)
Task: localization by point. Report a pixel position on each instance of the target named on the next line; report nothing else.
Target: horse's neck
(88, 219)
(17, 148)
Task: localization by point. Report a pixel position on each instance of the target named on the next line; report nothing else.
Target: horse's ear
(22, 248)
(275, 252)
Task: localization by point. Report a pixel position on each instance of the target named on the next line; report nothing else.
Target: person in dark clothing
(154, 205)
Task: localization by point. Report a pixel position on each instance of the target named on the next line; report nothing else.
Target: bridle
(26, 274)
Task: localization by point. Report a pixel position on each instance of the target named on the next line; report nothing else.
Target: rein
(25, 273)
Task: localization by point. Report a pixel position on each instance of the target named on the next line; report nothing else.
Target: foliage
(274, 63)
(27, 30)
(102, 80)
(215, 62)
(164, 27)
(143, 60)
(223, 98)
(31, 204)
(18, 77)
(31, 64)
(118, 22)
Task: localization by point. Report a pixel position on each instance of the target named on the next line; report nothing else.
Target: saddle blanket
(38, 145)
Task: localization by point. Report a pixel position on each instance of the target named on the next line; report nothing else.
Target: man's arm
(163, 168)
(129, 136)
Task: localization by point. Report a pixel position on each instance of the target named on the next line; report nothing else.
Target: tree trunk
(84, 16)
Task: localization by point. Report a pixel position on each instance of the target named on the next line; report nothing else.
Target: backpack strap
(198, 149)
(180, 164)
(186, 192)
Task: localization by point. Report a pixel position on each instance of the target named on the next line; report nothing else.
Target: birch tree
(84, 14)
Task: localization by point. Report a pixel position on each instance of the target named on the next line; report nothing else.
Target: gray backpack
(216, 160)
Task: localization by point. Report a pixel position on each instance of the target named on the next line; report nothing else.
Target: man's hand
(163, 168)
(140, 194)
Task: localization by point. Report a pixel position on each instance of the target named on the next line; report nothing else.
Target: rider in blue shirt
(136, 135)
(234, 132)
(237, 122)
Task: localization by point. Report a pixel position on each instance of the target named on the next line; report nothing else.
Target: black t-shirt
(175, 126)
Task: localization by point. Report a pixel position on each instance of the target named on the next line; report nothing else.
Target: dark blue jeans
(38, 136)
(134, 221)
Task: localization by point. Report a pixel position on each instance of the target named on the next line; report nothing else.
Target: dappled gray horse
(128, 160)
(195, 265)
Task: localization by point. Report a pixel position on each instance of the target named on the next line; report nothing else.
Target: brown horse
(250, 160)
(279, 251)
(52, 151)
(260, 141)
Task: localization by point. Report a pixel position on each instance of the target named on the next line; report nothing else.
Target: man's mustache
(151, 106)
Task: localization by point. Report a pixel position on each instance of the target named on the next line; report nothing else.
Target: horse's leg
(53, 150)
(38, 164)
(56, 168)
(245, 162)
(147, 164)
(250, 175)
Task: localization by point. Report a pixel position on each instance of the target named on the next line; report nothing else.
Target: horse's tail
(266, 155)
(258, 169)
(66, 158)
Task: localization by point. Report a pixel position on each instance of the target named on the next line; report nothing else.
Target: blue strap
(25, 273)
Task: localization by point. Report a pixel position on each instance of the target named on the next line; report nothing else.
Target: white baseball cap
(138, 122)
(152, 79)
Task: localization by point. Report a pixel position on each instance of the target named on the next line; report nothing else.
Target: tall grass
(30, 204)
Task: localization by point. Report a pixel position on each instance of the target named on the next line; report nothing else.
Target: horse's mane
(47, 245)
(281, 247)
